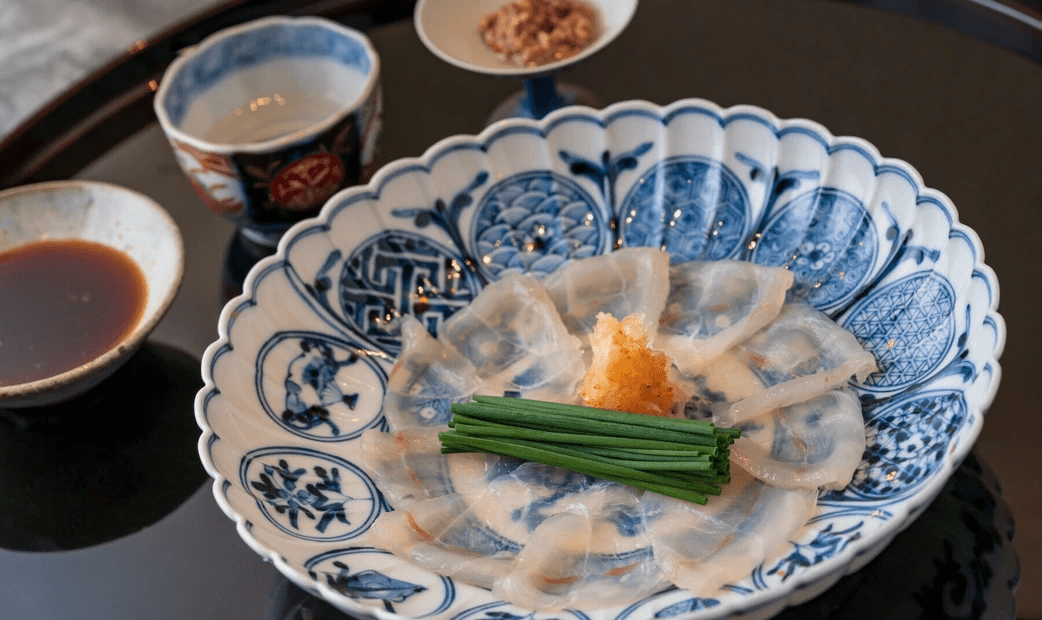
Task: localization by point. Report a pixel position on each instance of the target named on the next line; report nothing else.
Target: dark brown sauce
(62, 304)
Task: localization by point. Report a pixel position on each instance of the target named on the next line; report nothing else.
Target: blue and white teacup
(270, 118)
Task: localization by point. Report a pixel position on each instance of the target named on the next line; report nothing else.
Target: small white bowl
(449, 28)
(102, 213)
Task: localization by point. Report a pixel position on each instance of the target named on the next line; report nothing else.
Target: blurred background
(48, 45)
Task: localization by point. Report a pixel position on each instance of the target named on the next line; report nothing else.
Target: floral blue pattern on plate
(301, 364)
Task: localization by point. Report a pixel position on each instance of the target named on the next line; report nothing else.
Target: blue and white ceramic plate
(301, 365)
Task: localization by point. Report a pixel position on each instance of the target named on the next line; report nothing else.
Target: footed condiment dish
(449, 29)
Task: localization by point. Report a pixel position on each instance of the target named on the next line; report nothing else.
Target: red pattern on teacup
(308, 181)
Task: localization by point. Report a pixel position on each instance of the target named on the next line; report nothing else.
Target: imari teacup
(272, 117)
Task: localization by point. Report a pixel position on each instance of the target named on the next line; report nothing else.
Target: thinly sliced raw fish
(440, 535)
(701, 548)
(627, 281)
(408, 465)
(817, 443)
(799, 355)
(714, 305)
(428, 377)
(593, 554)
(514, 336)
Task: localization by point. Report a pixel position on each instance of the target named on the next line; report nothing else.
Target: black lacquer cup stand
(240, 256)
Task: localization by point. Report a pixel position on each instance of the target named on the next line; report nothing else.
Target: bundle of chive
(685, 459)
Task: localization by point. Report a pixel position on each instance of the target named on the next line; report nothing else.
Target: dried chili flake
(536, 32)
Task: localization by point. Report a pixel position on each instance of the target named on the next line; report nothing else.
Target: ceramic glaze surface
(303, 354)
(118, 218)
(270, 118)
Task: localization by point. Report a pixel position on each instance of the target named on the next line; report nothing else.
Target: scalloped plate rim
(841, 563)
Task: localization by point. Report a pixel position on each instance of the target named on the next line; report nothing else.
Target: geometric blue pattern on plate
(912, 287)
(313, 398)
(534, 222)
(692, 207)
(826, 239)
(908, 438)
(909, 325)
(311, 495)
(399, 272)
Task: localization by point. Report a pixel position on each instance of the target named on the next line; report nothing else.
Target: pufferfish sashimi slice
(427, 378)
(702, 548)
(408, 465)
(593, 555)
(628, 281)
(501, 527)
(514, 336)
(472, 534)
(442, 536)
(799, 355)
(811, 444)
(714, 305)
